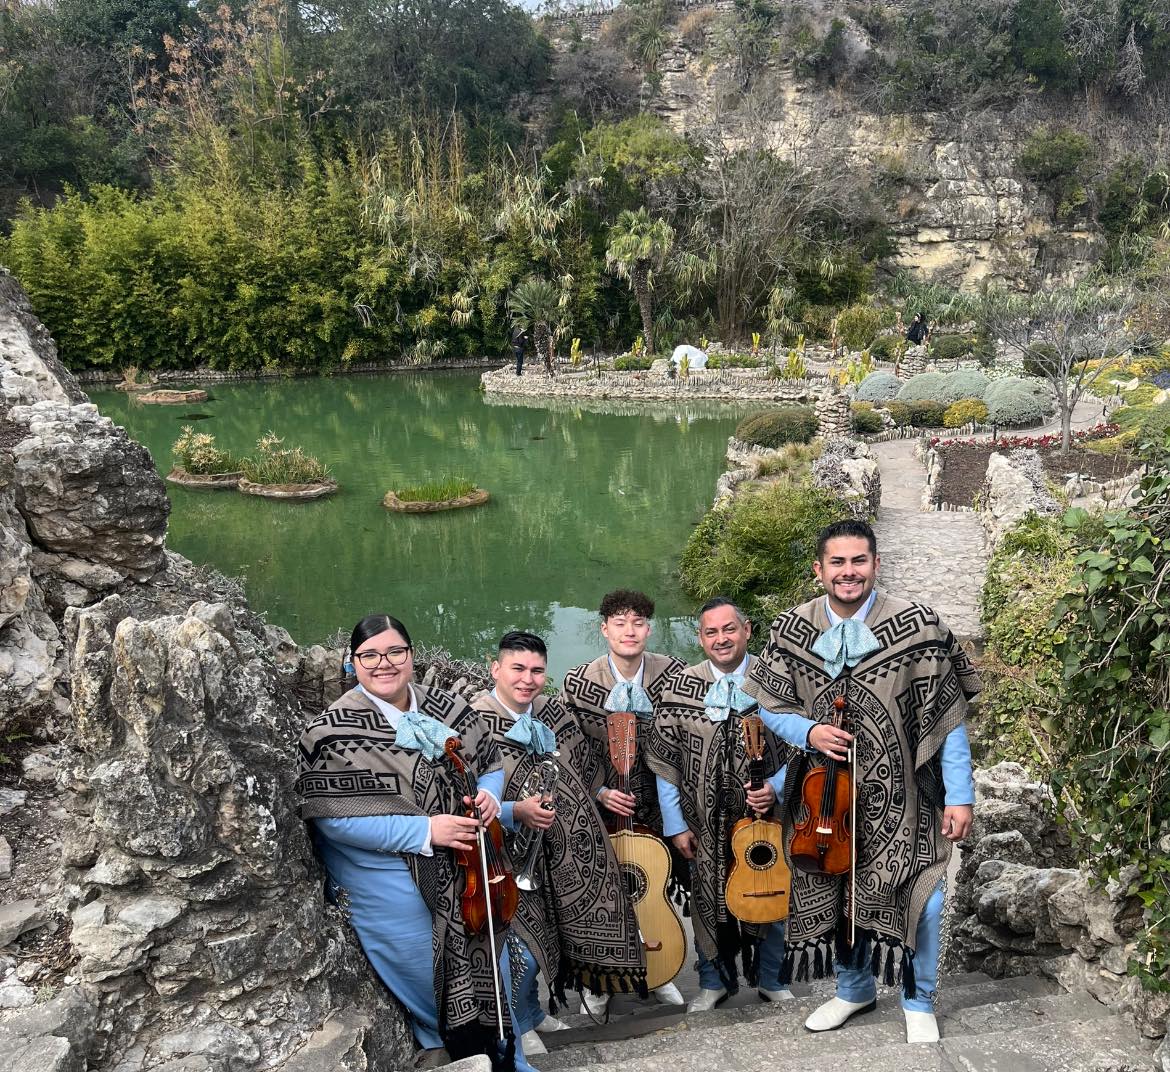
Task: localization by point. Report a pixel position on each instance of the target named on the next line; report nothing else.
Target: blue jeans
(859, 985)
(523, 994)
(771, 957)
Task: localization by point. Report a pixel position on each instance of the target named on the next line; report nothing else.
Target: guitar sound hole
(761, 855)
(635, 880)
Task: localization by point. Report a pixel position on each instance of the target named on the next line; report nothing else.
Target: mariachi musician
(902, 683)
(697, 755)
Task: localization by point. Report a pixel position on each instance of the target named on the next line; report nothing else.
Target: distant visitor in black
(918, 330)
(519, 342)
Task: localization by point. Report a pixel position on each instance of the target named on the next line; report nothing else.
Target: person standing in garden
(519, 344)
(919, 331)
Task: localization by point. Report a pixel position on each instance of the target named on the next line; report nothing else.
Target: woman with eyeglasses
(386, 811)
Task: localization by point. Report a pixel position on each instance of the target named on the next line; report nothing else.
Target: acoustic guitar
(645, 865)
(759, 881)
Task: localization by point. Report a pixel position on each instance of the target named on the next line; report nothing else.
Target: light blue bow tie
(630, 696)
(724, 695)
(846, 643)
(421, 733)
(532, 735)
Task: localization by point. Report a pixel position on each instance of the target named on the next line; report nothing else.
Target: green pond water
(584, 499)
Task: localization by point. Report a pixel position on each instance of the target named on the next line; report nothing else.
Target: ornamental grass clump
(196, 452)
(774, 428)
(879, 387)
(273, 465)
(437, 490)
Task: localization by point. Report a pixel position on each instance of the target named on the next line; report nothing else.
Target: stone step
(713, 1031)
(1097, 1044)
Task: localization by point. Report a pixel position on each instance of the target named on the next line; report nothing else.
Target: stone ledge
(184, 479)
(294, 492)
(475, 498)
(171, 398)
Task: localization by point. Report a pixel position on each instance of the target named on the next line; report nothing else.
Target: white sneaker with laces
(835, 1012)
(594, 1004)
(921, 1026)
(531, 1043)
(707, 1000)
(668, 994)
(551, 1023)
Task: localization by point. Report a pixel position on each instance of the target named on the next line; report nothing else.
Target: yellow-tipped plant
(575, 352)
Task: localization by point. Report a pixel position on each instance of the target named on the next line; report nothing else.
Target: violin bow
(852, 826)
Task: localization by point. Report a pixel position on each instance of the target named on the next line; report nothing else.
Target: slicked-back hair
(370, 626)
(626, 599)
(518, 640)
(722, 601)
(860, 530)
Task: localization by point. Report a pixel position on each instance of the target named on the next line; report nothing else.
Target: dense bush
(878, 387)
(632, 363)
(1055, 159)
(925, 387)
(887, 348)
(950, 347)
(727, 360)
(757, 550)
(866, 419)
(899, 413)
(1014, 409)
(924, 414)
(964, 383)
(965, 411)
(1037, 388)
(774, 428)
(858, 326)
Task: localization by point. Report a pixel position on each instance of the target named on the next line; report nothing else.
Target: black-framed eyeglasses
(371, 660)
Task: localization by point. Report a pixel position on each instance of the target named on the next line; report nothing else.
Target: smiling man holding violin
(878, 687)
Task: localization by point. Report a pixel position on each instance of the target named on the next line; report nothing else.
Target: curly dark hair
(626, 599)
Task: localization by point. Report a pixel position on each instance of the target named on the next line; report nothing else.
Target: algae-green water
(583, 500)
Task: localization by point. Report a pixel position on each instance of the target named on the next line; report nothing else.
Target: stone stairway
(987, 1025)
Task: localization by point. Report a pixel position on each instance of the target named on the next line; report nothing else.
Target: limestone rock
(19, 917)
(50, 1054)
(5, 857)
(11, 799)
(849, 468)
(14, 994)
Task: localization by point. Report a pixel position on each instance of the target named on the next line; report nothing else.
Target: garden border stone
(293, 492)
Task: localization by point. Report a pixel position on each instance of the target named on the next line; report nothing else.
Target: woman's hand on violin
(618, 802)
(760, 800)
(830, 740)
(687, 844)
(533, 814)
(957, 819)
(489, 807)
(453, 831)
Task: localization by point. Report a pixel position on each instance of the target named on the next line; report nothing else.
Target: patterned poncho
(707, 761)
(904, 699)
(351, 766)
(579, 923)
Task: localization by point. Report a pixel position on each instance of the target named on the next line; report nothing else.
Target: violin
(490, 895)
(823, 842)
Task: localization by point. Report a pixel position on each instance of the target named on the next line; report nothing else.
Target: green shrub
(1038, 357)
(436, 490)
(1055, 158)
(925, 414)
(925, 387)
(858, 326)
(899, 413)
(630, 363)
(965, 411)
(878, 387)
(866, 419)
(951, 347)
(964, 383)
(1139, 423)
(272, 465)
(1014, 409)
(1038, 389)
(759, 548)
(722, 361)
(774, 428)
(887, 348)
(196, 452)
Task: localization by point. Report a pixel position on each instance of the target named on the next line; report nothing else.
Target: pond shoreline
(108, 377)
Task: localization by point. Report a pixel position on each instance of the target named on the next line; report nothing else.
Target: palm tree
(535, 306)
(638, 247)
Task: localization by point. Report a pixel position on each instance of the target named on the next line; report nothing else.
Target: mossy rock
(179, 475)
(474, 498)
(172, 398)
(294, 492)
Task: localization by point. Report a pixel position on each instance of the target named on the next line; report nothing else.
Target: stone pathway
(929, 557)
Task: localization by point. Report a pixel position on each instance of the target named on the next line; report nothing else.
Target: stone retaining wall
(103, 377)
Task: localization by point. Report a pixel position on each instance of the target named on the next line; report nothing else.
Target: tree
(536, 306)
(1064, 333)
(638, 247)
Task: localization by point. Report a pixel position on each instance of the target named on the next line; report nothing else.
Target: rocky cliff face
(160, 905)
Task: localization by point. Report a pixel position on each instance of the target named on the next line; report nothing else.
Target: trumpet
(526, 843)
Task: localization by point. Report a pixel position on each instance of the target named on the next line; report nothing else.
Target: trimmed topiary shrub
(899, 413)
(927, 387)
(1014, 409)
(963, 384)
(1038, 389)
(878, 387)
(774, 428)
(951, 347)
(965, 411)
(630, 363)
(858, 326)
(866, 419)
(730, 360)
(925, 414)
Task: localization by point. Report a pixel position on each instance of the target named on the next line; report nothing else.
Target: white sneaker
(668, 994)
(921, 1026)
(707, 1000)
(531, 1043)
(783, 994)
(594, 1004)
(835, 1012)
(551, 1023)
